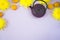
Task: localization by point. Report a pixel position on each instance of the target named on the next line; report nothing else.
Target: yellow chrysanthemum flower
(4, 4)
(56, 13)
(47, 1)
(2, 23)
(26, 3)
(41, 2)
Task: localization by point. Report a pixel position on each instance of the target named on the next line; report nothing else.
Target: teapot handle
(42, 1)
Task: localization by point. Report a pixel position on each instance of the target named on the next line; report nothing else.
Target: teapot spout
(31, 7)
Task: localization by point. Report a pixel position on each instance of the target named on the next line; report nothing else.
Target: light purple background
(22, 25)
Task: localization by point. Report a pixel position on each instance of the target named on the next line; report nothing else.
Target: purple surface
(22, 25)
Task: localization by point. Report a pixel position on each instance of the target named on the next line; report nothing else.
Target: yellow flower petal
(26, 3)
(47, 1)
(2, 23)
(56, 13)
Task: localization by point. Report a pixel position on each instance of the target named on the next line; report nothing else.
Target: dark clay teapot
(38, 10)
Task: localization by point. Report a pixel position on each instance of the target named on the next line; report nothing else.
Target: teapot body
(38, 10)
